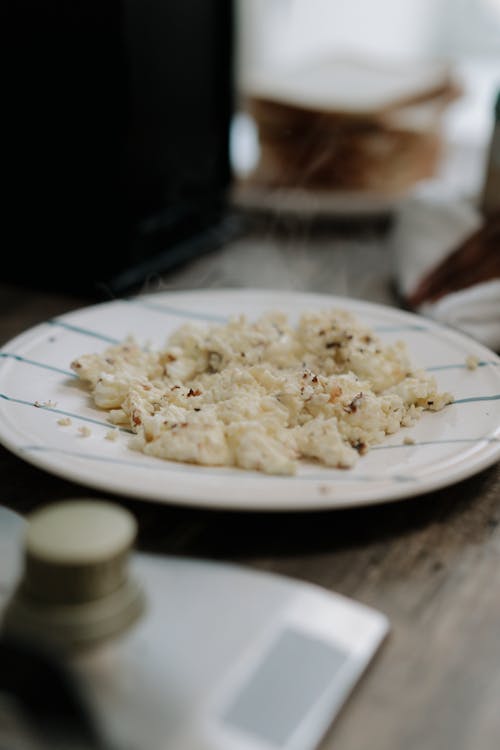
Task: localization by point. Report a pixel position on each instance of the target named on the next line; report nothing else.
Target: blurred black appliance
(116, 116)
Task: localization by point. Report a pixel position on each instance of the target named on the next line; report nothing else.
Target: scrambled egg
(262, 395)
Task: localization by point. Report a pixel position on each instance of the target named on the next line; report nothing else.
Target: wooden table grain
(431, 564)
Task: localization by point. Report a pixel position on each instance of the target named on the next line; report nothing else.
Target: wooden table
(431, 564)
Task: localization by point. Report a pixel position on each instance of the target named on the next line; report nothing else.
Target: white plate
(450, 445)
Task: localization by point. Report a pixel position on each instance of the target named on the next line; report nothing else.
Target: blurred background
(139, 136)
(356, 112)
(276, 35)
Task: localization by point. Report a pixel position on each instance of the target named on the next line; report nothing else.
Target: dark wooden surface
(431, 564)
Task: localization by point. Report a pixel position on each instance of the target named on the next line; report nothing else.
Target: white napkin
(430, 226)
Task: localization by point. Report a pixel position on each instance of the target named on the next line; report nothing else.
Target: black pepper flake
(195, 392)
(332, 344)
(430, 403)
(197, 409)
(353, 406)
(359, 446)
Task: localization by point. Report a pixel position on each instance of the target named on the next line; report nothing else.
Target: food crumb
(64, 421)
(85, 431)
(409, 440)
(112, 435)
(471, 362)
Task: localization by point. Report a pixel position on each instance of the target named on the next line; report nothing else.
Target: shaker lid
(79, 532)
(76, 591)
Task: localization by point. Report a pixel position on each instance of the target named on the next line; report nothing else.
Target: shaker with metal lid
(76, 592)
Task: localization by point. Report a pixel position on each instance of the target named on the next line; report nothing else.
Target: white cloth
(475, 310)
(430, 226)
